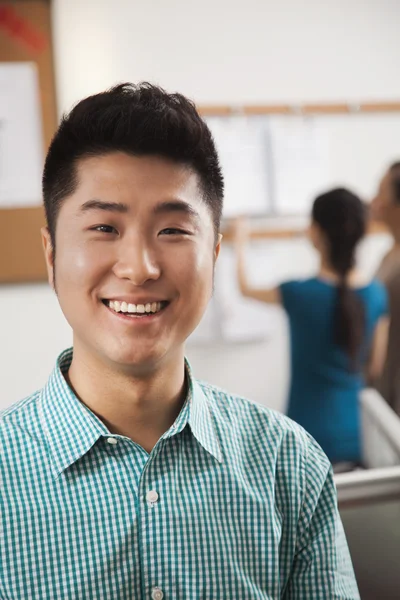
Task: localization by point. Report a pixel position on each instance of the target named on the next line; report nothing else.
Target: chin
(141, 361)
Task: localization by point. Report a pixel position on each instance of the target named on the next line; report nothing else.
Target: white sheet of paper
(240, 319)
(21, 141)
(300, 155)
(243, 145)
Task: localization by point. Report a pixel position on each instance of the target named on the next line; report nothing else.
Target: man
(125, 477)
(386, 208)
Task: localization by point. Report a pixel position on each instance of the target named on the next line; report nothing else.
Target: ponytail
(342, 217)
(349, 322)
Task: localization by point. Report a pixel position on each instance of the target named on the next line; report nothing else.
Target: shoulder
(377, 295)
(376, 286)
(303, 286)
(296, 284)
(20, 408)
(19, 420)
(260, 430)
(229, 407)
(296, 294)
(20, 435)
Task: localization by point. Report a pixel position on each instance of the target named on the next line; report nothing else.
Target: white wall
(216, 51)
(33, 332)
(230, 50)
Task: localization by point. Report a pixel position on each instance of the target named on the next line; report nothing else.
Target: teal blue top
(235, 501)
(324, 391)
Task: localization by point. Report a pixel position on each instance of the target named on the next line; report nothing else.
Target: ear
(217, 247)
(48, 254)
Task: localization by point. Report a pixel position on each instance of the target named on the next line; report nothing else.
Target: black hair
(342, 217)
(394, 171)
(139, 119)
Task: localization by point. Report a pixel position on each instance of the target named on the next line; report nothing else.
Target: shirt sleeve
(322, 567)
(288, 292)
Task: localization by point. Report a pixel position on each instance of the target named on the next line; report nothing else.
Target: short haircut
(141, 120)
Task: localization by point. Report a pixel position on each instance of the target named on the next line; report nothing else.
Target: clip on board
(27, 122)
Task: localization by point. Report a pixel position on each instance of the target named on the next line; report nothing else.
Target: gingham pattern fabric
(234, 502)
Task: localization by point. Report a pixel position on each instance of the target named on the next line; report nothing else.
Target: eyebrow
(118, 207)
(169, 206)
(176, 206)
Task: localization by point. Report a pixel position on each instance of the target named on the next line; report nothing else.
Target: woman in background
(386, 209)
(338, 326)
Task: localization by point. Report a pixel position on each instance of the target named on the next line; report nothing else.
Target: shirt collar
(72, 429)
(200, 418)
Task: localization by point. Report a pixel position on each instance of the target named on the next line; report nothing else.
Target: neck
(327, 272)
(139, 407)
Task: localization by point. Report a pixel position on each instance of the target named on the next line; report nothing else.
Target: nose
(137, 262)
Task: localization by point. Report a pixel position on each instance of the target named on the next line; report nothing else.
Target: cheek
(76, 264)
(195, 271)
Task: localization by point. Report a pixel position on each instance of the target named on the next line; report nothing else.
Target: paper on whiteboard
(21, 143)
(300, 155)
(239, 319)
(230, 317)
(243, 146)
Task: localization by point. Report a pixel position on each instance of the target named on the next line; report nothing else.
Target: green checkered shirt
(234, 502)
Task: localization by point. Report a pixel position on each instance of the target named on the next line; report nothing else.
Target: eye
(173, 231)
(104, 229)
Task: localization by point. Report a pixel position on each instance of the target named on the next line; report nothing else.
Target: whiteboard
(242, 143)
(299, 157)
(21, 141)
(300, 163)
(276, 165)
(230, 316)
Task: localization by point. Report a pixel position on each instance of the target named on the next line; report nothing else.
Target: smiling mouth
(135, 310)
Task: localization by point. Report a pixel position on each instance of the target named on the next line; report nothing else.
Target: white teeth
(124, 307)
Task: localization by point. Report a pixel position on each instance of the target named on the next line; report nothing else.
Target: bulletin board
(25, 36)
(276, 163)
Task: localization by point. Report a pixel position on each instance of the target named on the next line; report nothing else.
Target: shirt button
(112, 441)
(152, 497)
(157, 593)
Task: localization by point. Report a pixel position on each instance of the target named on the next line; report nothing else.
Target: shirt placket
(153, 528)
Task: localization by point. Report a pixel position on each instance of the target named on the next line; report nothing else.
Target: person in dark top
(386, 209)
(337, 322)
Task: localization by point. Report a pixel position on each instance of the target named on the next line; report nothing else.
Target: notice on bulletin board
(242, 143)
(21, 136)
(300, 154)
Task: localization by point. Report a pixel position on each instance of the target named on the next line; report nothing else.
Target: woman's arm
(378, 349)
(270, 296)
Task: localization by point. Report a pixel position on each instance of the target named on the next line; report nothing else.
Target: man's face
(384, 207)
(135, 235)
